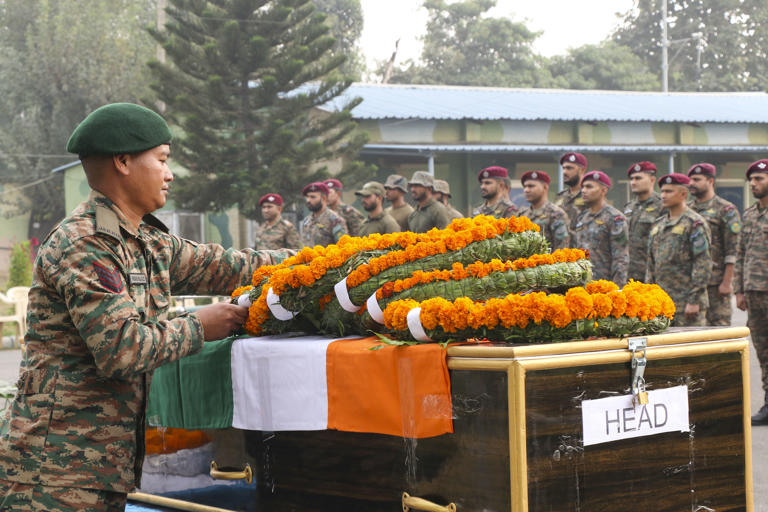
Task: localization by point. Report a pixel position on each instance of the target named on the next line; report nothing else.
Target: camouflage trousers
(681, 320)
(757, 321)
(719, 310)
(16, 497)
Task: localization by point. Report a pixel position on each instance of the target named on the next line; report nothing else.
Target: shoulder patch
(109, 278)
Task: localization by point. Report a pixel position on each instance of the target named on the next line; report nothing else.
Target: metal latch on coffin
(638, 347)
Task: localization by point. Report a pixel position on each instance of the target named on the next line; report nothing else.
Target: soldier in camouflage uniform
(496, 203)
(351, 215)
(678, 253)
(641, 213)
(552, 219)
(443, 194)
(99, 326)
(569, 199)
(602, 230)
(396, 188)
(428, 213)
(378, 221)
(725, 228)
(275, 232)
(750, 281)
(322, 226)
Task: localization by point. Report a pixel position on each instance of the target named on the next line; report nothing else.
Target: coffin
(537, 427)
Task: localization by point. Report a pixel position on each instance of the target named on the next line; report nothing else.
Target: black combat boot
(761, 418)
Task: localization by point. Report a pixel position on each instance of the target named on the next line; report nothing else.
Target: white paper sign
(611, 419)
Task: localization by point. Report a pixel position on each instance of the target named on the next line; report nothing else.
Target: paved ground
(10, 358)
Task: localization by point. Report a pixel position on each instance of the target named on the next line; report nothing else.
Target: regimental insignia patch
(109, 278)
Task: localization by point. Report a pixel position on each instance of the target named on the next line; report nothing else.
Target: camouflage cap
(443, 187)
(119, 128)
(372, 187)
(422, 178)
(396, 181)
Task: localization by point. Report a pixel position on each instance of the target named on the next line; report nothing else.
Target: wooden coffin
(519, 443)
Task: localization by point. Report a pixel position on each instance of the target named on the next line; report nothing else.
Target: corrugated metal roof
(525, 148)
(488, 103)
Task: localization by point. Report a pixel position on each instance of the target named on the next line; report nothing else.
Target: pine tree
(243, 85)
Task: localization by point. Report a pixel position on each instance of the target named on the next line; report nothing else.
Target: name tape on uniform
(611, 419)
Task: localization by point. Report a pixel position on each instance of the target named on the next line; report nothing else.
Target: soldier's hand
(221, 319)
(741, 301)
(691, 310)
(725, 289)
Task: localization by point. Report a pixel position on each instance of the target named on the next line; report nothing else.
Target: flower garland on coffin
(599, 309)
(295, 294)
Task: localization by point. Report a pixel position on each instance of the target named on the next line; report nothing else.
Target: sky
(563, 23)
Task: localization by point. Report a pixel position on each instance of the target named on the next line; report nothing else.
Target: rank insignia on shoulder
(109, 278)
(678, 230)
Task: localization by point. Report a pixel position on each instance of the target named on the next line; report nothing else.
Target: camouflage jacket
(641, 215)
(352, 216)
(98, 327)
(401, 215)
(282, 234)
(679, 260)
(725, 227)
(504, 208)
(325, 229)
(751, 268)
(573, 204)
(604, 235)
(431, 215)
(382, 224)
(453, 213)
(553, 222)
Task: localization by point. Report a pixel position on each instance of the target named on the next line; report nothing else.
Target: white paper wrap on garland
(278, 311)
(343, 296)
(414, 325)
(244, 300)
(374, 309)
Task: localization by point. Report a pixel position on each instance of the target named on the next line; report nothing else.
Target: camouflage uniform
(383, 224)
(401, 215)
(98, 327)
(604, 234)
(281, 234)
(641, 216)
(352, 217)
(573, 204)
(24, 497)
(553, 222)
(504, 208)
(453, 213)
(751, 279)
(432, 215)
(679, 261)
(724, 226)
(325, 229)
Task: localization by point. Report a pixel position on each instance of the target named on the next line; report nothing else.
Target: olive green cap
(372, 187)
(119, 128)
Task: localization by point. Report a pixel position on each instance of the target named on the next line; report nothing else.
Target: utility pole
(664, 48)
(160, 50)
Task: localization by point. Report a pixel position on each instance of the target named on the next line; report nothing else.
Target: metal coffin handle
(412, 502)
(246, 474)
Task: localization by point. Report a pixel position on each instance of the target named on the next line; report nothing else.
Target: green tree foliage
(734, 54)
(345, 18)
(242, 85)
(606, 66)
(20, 273)
(464, 46)
(59, 60)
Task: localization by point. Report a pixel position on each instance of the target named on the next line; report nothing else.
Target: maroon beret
(535, 175)
(333, 183)
(759, 166)
(598, 176)
(271, 198)
(492, 172)
(576, 158)
(674, 179)
(641, 167)
(703, 168)
(317, 186)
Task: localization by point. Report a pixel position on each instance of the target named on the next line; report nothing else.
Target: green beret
(119, 128)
